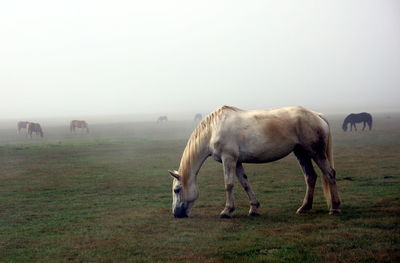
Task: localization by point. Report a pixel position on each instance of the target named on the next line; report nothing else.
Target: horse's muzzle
(180, 212)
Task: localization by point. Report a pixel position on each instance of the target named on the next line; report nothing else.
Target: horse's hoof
(225, 216)
(334, 211)
(302, 211)
(254, 214)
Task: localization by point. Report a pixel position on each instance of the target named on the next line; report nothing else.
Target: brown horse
(78, 124)
(22, 125)
(233, 136)
(35, 128)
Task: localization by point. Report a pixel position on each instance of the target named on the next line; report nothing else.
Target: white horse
(78, 124)
(233, 136)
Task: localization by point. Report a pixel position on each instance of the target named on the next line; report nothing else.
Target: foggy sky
(79, 58)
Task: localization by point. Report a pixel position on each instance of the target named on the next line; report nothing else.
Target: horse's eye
(177, 190)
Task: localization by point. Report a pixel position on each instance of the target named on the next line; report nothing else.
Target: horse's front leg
(254, 204)
(229, 165)
(363, 126)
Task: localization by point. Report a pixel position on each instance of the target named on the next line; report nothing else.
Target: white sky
(84, 57)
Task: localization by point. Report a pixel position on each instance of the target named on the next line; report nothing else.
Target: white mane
(200, 137)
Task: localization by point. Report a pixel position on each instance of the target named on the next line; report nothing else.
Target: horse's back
(266, 135)
(359, 117)
(22, 124)
(78, 123)
(367, 116)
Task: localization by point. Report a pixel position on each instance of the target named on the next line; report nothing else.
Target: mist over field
(133, 61)
(102, 193)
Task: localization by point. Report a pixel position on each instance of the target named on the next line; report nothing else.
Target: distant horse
(78, 124)
(198, 117)
(233, 136)
(354, 118)
(162, 119)
(35, 128)
(22, 125)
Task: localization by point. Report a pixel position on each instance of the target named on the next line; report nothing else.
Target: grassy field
(106, 197)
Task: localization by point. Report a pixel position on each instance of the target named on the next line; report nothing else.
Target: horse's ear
(174, 174)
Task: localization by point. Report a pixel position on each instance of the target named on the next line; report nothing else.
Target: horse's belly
(264, 153)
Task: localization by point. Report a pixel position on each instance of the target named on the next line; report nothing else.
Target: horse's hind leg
(363, 126)
(329, 177)
(254, 204)
(310, 176)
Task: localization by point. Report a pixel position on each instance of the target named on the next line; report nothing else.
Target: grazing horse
(35, 128)
(162, 119)
(354, 118)
(233, 136)
(198, 117)
(78, 124)
(22, 125)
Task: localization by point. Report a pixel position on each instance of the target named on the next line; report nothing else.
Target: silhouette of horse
(198, 117)
(162, 119)
(233, 136)
(22, 125)
(354, 118)
(78, 124)
(34, 128)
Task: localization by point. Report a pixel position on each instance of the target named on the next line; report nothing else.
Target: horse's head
(344, 126)
(182, 199)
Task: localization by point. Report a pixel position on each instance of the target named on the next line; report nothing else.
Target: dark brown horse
(34, 128)
(354, 118)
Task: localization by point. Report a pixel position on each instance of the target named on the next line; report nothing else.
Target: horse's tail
(71, 126)
(329, 155)
(40, 131)
(370, 121)
(29, 129)
(329, 151)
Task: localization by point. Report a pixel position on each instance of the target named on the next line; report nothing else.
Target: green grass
(106, 197)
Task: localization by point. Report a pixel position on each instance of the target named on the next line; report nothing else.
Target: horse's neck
(191, 164)
(198, 162)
